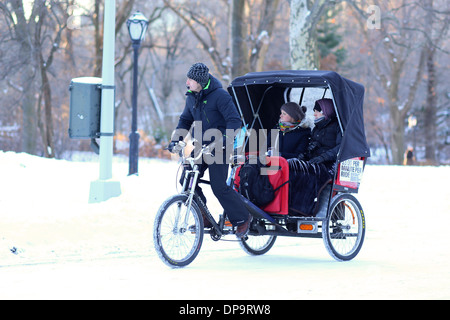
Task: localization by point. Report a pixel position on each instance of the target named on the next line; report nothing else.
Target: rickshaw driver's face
(193, 85)
(285, 117)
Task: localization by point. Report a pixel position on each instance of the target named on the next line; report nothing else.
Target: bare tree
(245, 48)
(436, 27)
(21, 41)
(239, 32)
(398, 56)
(38, 37)
(252, 25)
(203, 28)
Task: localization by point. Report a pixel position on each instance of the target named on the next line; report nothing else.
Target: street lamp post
(105, 188)
(137, 26)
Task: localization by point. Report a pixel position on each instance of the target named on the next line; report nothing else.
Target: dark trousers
(228, 198)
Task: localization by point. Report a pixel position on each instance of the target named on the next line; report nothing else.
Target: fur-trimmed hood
(307, 122)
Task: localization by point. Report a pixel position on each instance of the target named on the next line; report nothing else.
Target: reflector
(306, 227)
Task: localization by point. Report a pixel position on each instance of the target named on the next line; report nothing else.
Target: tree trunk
(239, 32)
(29, 125)
(302, 37)
(430, 110)
(264, 32)
(98, 40)
(47, 129)
(397, 134)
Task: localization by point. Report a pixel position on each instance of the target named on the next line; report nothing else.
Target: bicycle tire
(344, 228)
(178, 244)
(257, 245)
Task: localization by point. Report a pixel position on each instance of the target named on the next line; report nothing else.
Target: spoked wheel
(178, 234)
(344, 228)
(257, 245)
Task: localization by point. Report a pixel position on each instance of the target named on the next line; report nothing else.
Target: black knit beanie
(200, 73)
(317, 106)
(294, 110)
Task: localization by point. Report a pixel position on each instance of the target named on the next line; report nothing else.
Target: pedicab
(338, 217)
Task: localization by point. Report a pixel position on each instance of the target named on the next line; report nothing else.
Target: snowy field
(55, 245)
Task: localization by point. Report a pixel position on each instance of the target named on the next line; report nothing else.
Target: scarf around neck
(286, 126)
(319, 119)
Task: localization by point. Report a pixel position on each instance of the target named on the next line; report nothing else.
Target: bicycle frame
(190, 182)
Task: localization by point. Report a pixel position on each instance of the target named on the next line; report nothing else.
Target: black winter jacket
(326, 139)
(212, 106)
(293, 142)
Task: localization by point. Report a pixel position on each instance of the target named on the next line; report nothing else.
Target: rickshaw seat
(278, 172)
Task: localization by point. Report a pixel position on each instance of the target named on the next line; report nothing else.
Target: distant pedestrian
(409, 159)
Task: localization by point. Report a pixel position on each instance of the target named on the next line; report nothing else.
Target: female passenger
(314, 169)
(294, 131)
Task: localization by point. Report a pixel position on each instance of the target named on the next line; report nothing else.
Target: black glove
(313, 145)
(171, 145)
(301, 156)
(317, 160)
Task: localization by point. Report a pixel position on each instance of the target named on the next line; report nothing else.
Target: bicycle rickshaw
(338, 219)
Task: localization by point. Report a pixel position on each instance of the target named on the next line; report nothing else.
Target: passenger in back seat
(312, 170)
(294, 131)
(326, 135)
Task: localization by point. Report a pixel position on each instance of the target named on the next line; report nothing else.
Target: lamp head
(137, 26)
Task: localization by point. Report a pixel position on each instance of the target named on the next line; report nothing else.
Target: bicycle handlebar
(181, 145)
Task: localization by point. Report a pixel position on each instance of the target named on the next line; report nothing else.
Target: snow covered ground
(55, 245)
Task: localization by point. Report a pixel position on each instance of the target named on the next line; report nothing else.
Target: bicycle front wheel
(178, 232)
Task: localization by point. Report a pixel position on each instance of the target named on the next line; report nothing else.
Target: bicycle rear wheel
(344, 228)
(177, 233)
(257, 245)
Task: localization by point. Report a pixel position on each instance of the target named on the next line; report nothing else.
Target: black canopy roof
(261, 94)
